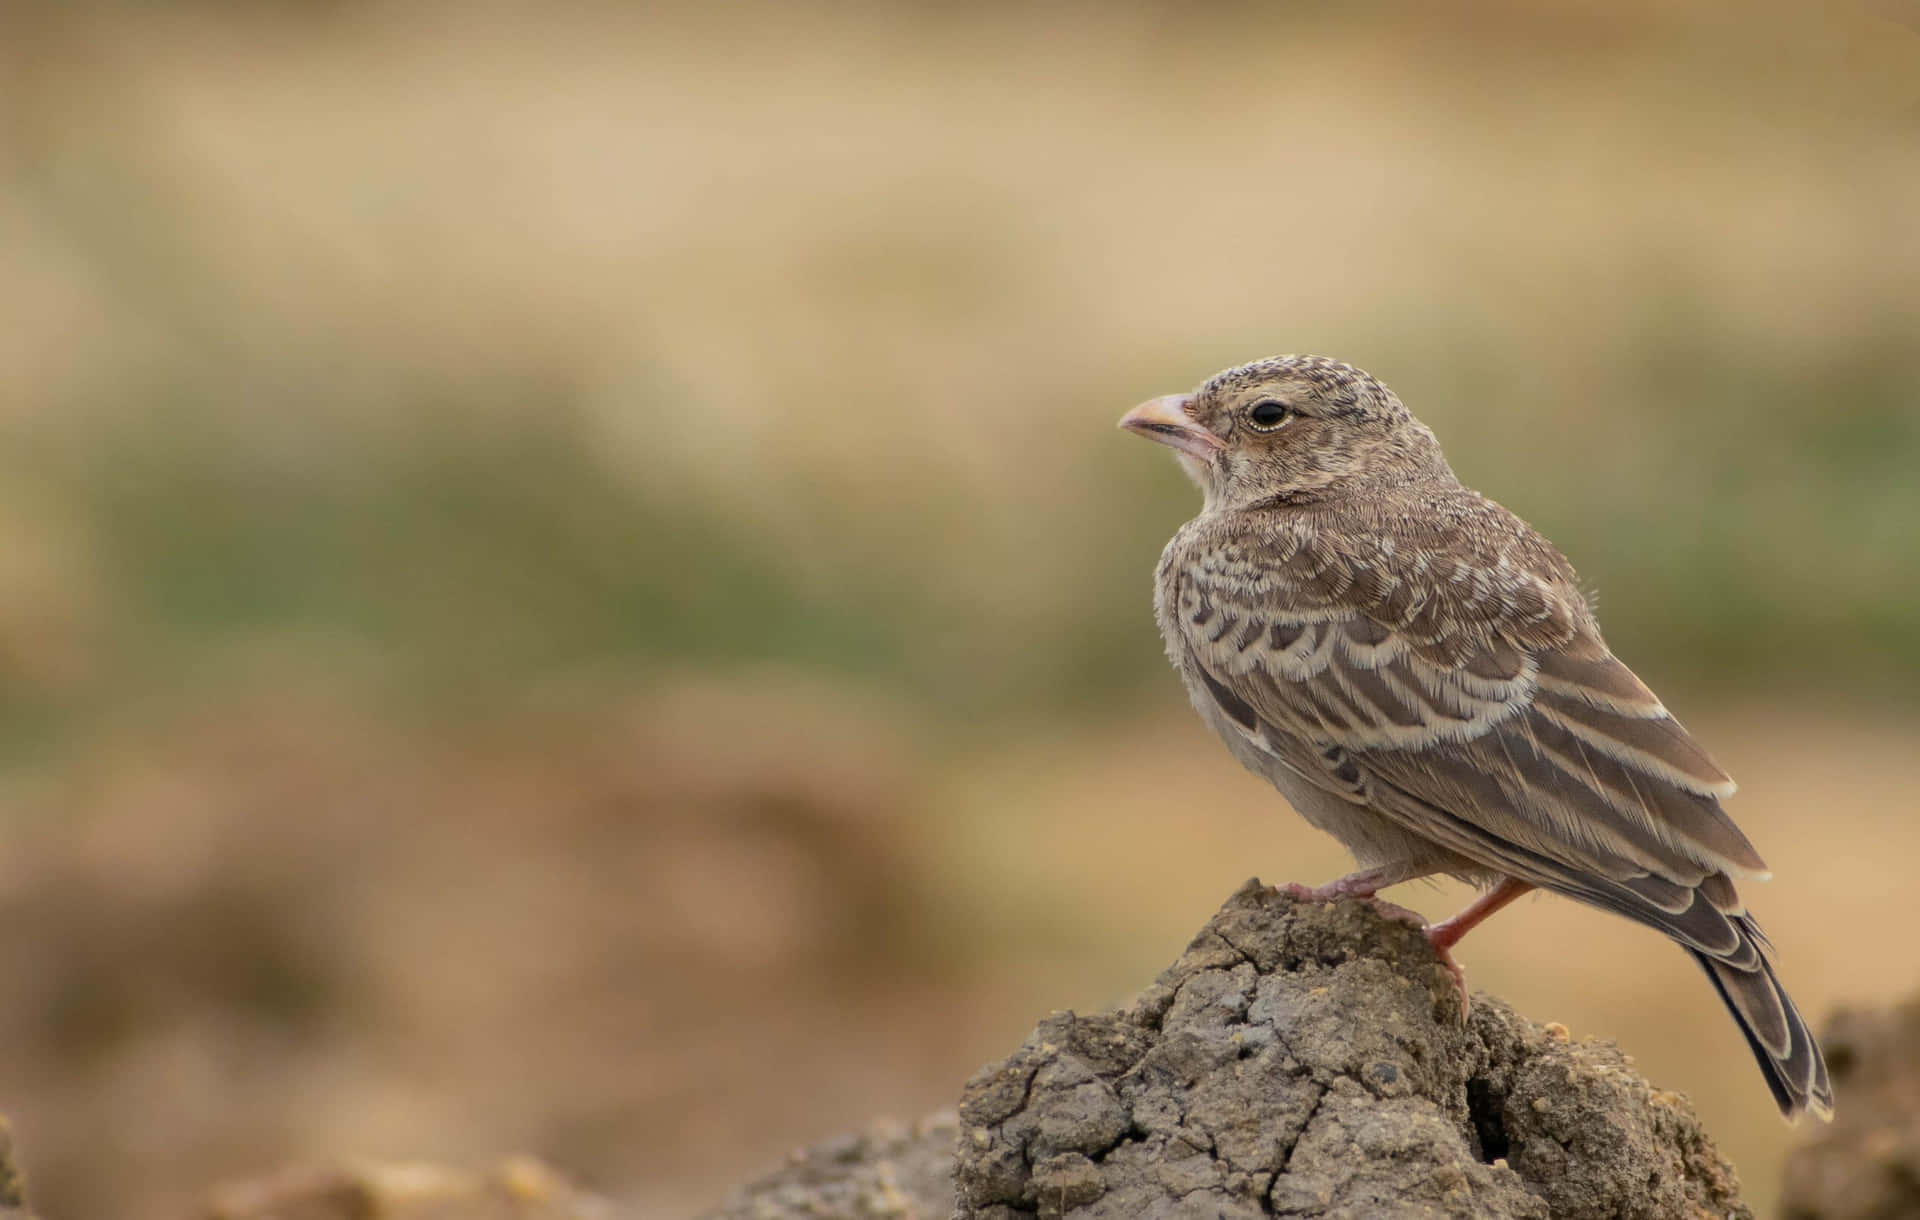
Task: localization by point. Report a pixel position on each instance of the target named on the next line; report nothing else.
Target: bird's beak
(1165, 419)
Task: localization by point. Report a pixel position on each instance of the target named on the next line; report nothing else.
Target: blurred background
(568, 585)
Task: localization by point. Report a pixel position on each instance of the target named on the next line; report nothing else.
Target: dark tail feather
(1780, 1039)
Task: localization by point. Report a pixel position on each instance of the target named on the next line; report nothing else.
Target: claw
(1442, 936)
(1445, 935)
(1436, 934)
(1398, 913)
(1346, 887)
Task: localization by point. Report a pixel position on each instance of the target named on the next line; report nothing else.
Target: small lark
(1418, 673)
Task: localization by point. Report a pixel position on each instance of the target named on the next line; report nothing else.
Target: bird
(1419, 673)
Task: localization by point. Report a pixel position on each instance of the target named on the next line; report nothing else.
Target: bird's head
(1292, 429)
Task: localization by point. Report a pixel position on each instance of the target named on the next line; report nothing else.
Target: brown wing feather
(1492, 697)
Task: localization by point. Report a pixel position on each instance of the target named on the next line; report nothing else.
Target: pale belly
(1371, 837)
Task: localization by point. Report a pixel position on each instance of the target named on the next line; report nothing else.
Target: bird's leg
(1443, 936)
(1447, 934)
(1364, 885)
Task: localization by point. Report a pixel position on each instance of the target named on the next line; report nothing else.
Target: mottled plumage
(1418, 672)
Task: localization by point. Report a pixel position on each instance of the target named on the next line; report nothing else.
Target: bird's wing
(1474, 704)
(1477, 708)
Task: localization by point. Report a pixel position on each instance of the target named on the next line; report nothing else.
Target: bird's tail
(1781, 1041)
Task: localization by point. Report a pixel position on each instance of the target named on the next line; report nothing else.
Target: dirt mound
(1297, 1060)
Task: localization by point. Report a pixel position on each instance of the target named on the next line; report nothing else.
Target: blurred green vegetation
(460, 555)
(1763, 533)
(1765, 538)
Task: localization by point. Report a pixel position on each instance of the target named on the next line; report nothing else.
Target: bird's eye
(1267, 414)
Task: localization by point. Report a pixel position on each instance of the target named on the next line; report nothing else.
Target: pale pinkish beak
(1165, 419)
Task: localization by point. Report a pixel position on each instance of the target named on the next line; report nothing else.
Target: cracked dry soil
(1310, 1061)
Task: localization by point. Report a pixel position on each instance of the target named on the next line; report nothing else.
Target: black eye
(1267, 414)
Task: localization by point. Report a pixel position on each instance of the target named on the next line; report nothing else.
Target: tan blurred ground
(567, 586)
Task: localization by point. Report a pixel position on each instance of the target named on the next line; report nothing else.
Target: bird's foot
(1443, 936)
(1356, 886)
(1323, 894)
(1398, 913)
(1330, 892)
(1437, 936)
(1363, 884)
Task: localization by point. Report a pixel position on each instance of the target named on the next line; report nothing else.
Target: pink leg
(1445, 935)
(1364, 885)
